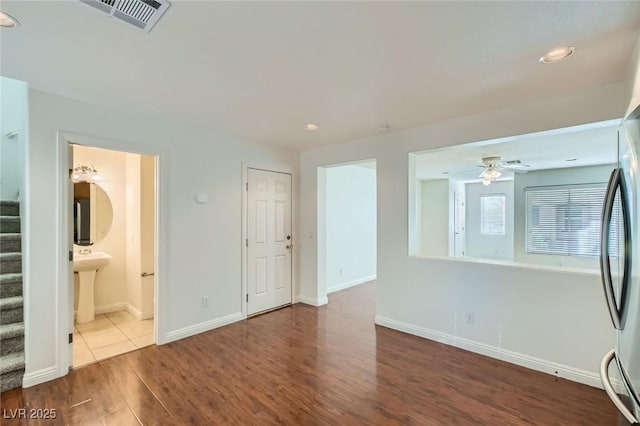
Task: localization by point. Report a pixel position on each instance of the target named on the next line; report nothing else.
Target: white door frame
(459, 224)
(65, 272)
(277, 168)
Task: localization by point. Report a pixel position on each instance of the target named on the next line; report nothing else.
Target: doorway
(112, 215)
(347, 225)
(459, 224)
(269, 240)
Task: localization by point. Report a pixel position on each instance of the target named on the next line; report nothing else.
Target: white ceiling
(589, 144)
(262, 70)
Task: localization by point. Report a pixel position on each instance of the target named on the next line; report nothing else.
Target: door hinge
(247, 186)
(70, 255)
(247, 297)
(246, 242)
(70, 338)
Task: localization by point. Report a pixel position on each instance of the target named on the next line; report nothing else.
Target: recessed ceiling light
(557, 54)
(8, 21)
(311, 127)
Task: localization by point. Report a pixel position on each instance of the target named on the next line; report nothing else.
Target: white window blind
(565, 220)
(492, 214)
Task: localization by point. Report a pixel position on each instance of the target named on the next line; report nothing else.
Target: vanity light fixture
(557, 54)
(8, 21)
(85, 173)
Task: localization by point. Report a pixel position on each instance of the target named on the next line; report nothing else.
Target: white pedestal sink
(86, 265)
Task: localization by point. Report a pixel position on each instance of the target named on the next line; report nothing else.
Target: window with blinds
(565, 220)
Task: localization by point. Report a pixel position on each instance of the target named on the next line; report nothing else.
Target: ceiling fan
(492, 166)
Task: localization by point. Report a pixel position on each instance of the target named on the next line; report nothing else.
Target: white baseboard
(135, 312)
(114, 307)
(121, 306)
(312, 301)
(105, 309)
(40, 376)
(146, 316)
(352, 283)
(201, 327)
(538, 364)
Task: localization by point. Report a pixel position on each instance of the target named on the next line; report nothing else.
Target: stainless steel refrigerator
(620, 269)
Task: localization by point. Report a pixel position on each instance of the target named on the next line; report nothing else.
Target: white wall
(435, 217)
(133, 234)
(632, 81)
(536, 314)
(350, 226)
(481, 246)
(13, 118)
(140, 195)
(147, 233)
(568, 176)
(199, 244)
(110, 287)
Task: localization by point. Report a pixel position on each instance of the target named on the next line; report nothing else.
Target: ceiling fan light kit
(493, 165)
(491, 173)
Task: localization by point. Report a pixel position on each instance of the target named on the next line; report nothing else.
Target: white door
(459, 233)
(269, 240)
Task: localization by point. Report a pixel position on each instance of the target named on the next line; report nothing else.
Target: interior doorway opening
(112, 202)
(347, 225)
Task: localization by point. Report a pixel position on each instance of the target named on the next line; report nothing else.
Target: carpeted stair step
(9, 208)
(11, 370)
(10, 243)
(11, 301)
(11, 338)
(10, 263)
(11, 380)
(11, 310)
(9, 224)
(10, 285)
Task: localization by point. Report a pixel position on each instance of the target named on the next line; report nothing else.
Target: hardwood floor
(306, 365)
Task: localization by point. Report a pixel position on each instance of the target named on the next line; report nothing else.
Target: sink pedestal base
(86, 301)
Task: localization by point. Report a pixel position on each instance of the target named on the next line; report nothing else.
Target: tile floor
(109, 335)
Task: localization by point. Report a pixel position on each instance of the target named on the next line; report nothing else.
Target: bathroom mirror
(92, 213)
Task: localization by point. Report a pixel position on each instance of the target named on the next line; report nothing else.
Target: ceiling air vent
(141, 13)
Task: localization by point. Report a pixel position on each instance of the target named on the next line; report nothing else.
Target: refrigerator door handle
(605, 266)
(606, 382)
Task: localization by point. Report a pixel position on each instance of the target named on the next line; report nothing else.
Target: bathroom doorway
(113, 212)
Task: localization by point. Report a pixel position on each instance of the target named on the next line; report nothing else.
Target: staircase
(11, 310)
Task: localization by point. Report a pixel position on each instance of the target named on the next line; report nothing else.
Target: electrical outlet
(471, 318)
(205, 302)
